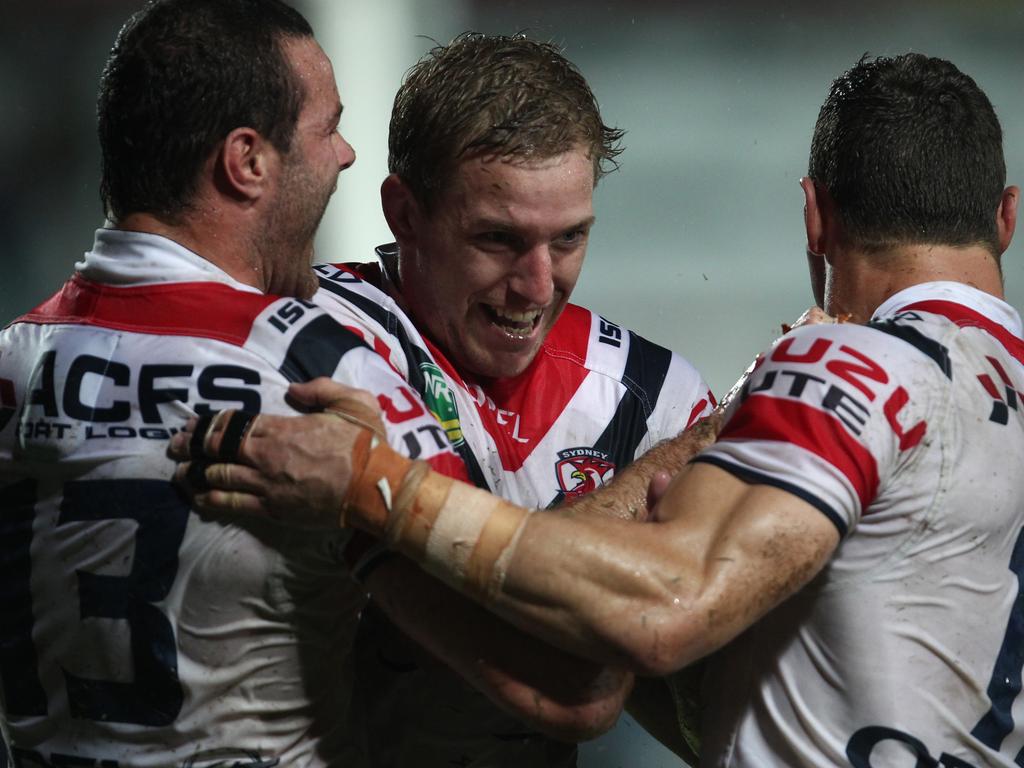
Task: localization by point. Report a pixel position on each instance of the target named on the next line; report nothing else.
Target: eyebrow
(498, 225)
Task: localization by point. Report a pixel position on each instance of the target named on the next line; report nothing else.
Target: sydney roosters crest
(582, 470)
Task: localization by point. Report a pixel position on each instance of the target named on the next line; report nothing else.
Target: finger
(236, 430)
(195, 477)
(190, 476)
(657, 487)
(198, 477)
(225, 434)
(234, 477)
(211, 440)
(177, 448)
(813, 316)
(197, 439)
(358, 414)
(230, 503)
(320, 391)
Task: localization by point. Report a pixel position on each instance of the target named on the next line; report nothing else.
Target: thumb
(321, 392)
(354, 405)
(655, 490)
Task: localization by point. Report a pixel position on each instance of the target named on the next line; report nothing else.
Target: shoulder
(831, 412)
(171, 317)
(344, 289)
(603, 346)
(367, 310)
(609, 350)
(869, 358)
(202, 309)
(861, 376)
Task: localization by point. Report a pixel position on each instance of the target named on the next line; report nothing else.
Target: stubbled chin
(493, 364)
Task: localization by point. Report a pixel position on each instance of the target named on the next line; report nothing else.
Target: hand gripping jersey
(906, 650)
(595, 397)
(134, 632)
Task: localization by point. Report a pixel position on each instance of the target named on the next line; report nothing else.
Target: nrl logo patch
(582, 470)
(441, 402)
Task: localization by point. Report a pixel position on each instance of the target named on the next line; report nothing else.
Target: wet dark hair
(911, 151)
(181, 76)
(492, 96)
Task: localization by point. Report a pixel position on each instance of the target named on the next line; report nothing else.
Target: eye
(497, 238)
(571, 238)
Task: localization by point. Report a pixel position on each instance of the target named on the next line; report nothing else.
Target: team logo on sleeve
(441, 402)
(582, 470)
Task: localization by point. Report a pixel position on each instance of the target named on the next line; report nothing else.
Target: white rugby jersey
(596, 396)
(906, 650)
(134, 632)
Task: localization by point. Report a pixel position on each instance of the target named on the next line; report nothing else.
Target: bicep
(752, 545)
(659, 595)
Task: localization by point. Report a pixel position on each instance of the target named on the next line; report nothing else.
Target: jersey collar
(986, 304)
(123, 258)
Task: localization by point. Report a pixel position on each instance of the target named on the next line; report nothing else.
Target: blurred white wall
(371, 44)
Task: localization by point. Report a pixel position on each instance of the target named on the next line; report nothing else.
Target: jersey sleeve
(685, 399)
(412, 429)
(344, 338)
(830, 414)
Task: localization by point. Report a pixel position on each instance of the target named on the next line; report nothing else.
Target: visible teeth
(518, 317)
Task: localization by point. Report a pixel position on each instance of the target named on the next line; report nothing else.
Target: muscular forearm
(596, 586)
(608, 589)
(649, 596)
(558, 694)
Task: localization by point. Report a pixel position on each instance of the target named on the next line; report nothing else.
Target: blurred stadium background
(699, 241)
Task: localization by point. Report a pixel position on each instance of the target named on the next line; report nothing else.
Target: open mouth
(516, 325)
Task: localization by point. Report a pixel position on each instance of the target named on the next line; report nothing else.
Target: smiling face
(488, 270)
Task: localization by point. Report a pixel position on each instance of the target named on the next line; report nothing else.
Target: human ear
(401, 210)
(814, 222)
(1006, 216)
(244, 163)
(815, 227)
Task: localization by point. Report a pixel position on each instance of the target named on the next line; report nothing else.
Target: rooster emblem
(582, 470)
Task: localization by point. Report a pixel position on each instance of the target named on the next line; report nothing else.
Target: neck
(220, 245)
(858, 282)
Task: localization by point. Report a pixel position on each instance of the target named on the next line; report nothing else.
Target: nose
(344, 152)
(532, 279)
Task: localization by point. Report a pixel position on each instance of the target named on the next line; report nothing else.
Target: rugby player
(135, 632)
(496, 145)
(851, 544)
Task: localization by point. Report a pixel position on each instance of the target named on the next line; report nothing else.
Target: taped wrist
(379, 475)
(463, 535)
